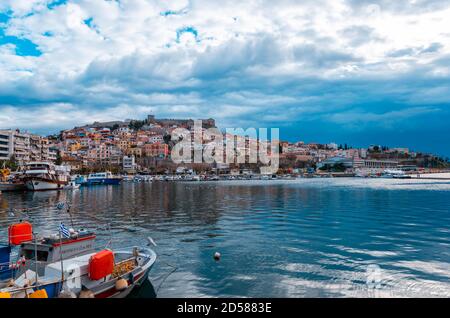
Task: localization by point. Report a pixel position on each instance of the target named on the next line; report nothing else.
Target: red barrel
(19, 233)
(101, 264)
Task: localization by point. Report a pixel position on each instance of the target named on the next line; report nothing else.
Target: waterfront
(278, 238)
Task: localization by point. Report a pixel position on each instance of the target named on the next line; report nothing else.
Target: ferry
(102, 178)
(39, 176)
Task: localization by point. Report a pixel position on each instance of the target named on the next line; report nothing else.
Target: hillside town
(144, 146)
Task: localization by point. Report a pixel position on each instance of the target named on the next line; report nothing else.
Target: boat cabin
(48, 249)
(100, 175)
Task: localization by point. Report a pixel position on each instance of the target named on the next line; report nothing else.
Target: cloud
(287, 63)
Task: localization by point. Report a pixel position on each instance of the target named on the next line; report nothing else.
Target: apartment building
(14, 144)
(25, 147)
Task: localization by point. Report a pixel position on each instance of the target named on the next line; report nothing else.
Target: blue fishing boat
(102, 178)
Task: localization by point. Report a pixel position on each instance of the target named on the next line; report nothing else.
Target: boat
(49, 248)
(70, 267)
(39, 176)
(396, 174)
(79, 179)
(102, 178)
(10, 182)
(12, 186)
(73, 185)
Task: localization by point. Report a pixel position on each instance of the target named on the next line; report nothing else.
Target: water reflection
(292, 238)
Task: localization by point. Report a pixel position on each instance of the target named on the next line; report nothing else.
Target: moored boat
(102, 178)
(396, 174)
(72, 186)
(39, 176)
(10, 182)
(12, 186)
(56, 266)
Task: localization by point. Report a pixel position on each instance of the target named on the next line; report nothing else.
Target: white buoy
(217, 256)
(121, 284)
(86, 293)
(67, 294)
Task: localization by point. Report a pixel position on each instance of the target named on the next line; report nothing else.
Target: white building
(156, 139)
(129, 163)
(14, 144)
(25, 147)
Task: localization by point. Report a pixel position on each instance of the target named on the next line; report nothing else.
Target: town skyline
(348, 71)
(292, 139)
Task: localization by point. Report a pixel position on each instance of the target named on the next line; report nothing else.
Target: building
(129, 163)
(156, 150)
(15, 144)
(73, 163)
(186, 123)
(374, 164)
(156, 139)
(25, 147)
(346, 162)
(6, 147)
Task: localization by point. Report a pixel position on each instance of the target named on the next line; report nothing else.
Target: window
(41, 255)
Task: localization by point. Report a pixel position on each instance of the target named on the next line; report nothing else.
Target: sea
(333, 237)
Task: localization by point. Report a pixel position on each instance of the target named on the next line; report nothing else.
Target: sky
(346, 71)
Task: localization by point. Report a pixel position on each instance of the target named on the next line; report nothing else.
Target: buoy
(67, 294)
(26, 283)
(10, 283)
(86, 293)
(121, 284)
(217, 256)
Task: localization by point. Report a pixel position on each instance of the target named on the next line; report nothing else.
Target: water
(299, 238)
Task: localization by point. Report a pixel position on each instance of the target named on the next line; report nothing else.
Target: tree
(136, 124)
(58, 158)
(11, 163)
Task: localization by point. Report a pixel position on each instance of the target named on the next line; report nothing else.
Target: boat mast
(61, 258)
(36, 259)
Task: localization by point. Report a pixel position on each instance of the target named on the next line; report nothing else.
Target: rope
(175, 268)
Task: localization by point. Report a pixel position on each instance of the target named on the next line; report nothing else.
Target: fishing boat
(57, 266)
(49, 249)
(102, 178)
(39, 176)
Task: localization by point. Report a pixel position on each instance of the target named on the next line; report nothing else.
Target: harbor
(187, 157)
(304, 237)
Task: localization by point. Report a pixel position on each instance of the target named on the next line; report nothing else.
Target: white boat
(116, 274)
(39, 176)
(396, 174)
(72, 186)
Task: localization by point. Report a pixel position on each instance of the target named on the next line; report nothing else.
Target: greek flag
(64, 230)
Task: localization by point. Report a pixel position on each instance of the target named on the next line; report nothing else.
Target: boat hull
(43, 185)
(7, 186)
(103, 181)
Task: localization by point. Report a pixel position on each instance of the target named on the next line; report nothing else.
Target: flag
(64, 230)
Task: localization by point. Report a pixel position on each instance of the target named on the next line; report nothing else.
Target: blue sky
(344, 71)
